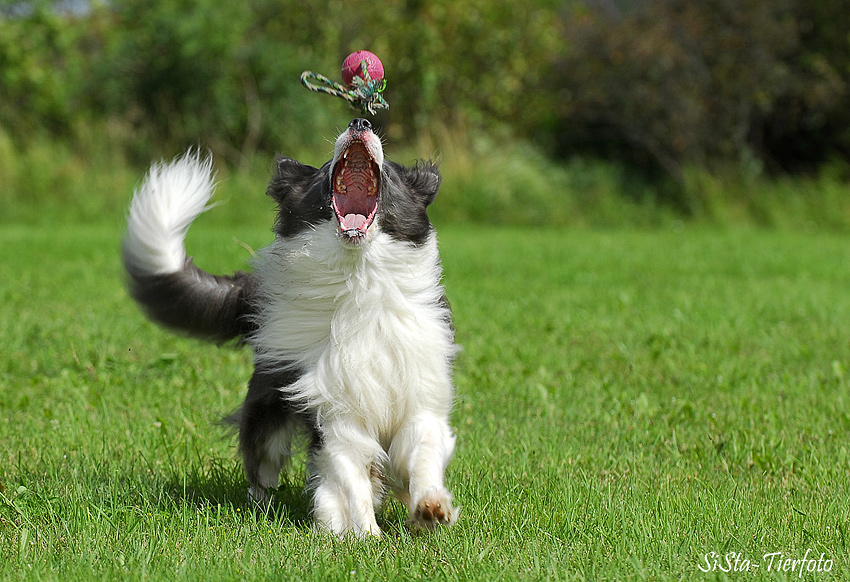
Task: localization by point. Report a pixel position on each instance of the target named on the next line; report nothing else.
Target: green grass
(626, 403)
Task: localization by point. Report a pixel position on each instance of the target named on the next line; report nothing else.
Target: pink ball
(351, 67)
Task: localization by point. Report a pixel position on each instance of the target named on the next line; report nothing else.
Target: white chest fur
(366, 325)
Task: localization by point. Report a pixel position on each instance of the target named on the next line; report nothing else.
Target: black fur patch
(264, 412)
(406, 194)
(217, 308)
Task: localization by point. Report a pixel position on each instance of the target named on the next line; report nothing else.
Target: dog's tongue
(352, 221)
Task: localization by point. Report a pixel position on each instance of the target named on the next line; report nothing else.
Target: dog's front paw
(433, 510)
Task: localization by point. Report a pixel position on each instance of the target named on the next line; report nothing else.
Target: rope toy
(363, 72)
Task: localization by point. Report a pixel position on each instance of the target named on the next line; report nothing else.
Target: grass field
(627, 403)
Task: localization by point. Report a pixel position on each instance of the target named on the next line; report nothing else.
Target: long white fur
(367, 326)
(370, 319)
(171, 197)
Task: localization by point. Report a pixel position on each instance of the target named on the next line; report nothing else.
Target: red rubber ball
(351, 67)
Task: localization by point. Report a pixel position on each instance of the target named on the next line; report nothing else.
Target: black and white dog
(347, 317)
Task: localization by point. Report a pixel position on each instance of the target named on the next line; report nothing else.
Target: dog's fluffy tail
(171, 289)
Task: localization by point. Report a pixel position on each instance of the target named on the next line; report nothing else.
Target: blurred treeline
(672, 92)
(226, 74)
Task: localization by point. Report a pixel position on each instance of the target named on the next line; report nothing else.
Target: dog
(347, 317)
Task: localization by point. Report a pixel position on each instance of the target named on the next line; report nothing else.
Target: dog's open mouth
(356, 182)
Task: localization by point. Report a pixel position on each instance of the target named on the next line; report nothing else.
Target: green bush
(227, 74)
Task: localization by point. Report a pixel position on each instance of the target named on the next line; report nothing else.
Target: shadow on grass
(134, 487)
(290, 503)
(222, 483)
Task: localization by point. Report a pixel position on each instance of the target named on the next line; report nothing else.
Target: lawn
(630, 405)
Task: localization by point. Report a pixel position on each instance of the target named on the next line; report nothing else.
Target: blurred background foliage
(648, 107)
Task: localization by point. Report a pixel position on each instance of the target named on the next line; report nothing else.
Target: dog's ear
(302, 196)
(291, 178)
(406, 194)
(423, 179)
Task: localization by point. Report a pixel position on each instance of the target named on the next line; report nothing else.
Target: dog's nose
(360, 124)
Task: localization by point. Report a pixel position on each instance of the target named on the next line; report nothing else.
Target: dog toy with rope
(363, 72)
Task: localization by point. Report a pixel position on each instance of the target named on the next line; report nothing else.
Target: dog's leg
(266, 428)
(419, 455)
(264, 464)
(344, 497)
